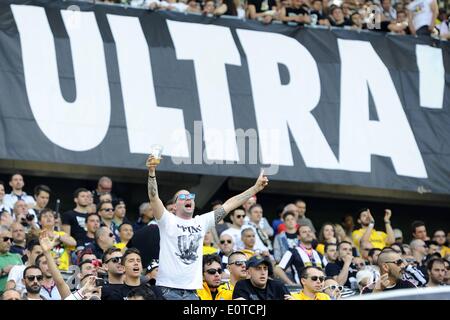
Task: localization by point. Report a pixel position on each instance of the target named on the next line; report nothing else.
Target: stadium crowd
(418, 17)
(94, 252)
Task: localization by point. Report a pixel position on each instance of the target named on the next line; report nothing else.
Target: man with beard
(32, 279)
(48, 289)
(392, 268)
(212, 271)
(436, 272)
(182, 235)
(112, 263)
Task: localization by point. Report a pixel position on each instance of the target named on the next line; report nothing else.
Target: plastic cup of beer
(156, 152)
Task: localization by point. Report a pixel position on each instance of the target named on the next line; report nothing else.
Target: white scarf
(305, 258)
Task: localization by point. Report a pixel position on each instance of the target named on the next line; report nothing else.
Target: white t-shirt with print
(181, 250)
(422, 14)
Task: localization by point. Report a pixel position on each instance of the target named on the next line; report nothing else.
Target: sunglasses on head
(315, 278)
(190, 196)
(334, 287)
(114, 260)
(214, 271)
(227, 241)
(239, 263)
(397, 262)
(5, 239)
(38, 278)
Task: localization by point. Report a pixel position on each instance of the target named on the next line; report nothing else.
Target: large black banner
(99, 85)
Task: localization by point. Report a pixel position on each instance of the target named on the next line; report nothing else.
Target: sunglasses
(108, 209)
(38, 278)
(334, 287)
(190, 196)
(397, 262)
(5, 239)
(239, 263)
(214, 271)
(315, 278)
(111, 235)
(227, 241)
(114, 260)
(239, 216)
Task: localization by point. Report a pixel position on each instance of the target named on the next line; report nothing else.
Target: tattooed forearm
(152, 188)
(244, 196)
(219, 214)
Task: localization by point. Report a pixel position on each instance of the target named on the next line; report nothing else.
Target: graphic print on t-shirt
(189, 243)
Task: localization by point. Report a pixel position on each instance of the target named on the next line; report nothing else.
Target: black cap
(256, 260)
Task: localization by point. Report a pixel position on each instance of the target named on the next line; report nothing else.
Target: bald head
(104, 184)
(416, 244)
(388, 255)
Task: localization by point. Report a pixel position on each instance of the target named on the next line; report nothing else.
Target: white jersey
(181, 250)
(422, 14)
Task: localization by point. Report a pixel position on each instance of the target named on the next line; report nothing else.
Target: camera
(29, 217)
(100, 282)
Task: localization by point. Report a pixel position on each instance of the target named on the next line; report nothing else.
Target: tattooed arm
(240, 199)
(152, 187)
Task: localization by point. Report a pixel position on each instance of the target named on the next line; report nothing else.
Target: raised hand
(387, 215)
(47, 240)
(152, 163)
(262, 181)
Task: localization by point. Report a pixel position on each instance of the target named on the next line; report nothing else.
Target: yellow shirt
(63, 252)
(377, 238)
(225, 292)
(205, 293)
(444, 251)
(319, 296)
(320, 248)
(120, 245)
(209, 250)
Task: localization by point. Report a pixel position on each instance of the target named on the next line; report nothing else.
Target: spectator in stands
(104, 239)
(19, 242)
(337, 18)
(364, 250)
(225, 249)
(16, 183)
(348, 225)
(343, 270)
(105, 197)
(287, 239)
(436, 272)
(317, 13)
(391, 269)
(145, 216)
(332, 289)
(64, 243)
(398, 235)
(152, 271)
(373, 256)
(106, 212)
(439, 237)
(120, 211)
(212, 271)
(6, 219)
(250, 202)
(112, 263)
(356, 21)
(125, 235)
(312, 280)
(92, 225)
(193, 6)
(42, 197)
(346, 11)
(208, 245)
(298, 258)
(7, 259)
(2, 198)
(387, 11)
(32, 281)
(259, 286)
(182, 235)
(367, 232)
(15, 276)
(249, 240)
(226, 7)
(208, 9)
(25, 216)
(237, 218)
(261, 10)
(327, 234)
(297, 12)
(302, 219)
(419, 250)
(419, 230)
(48, 290)
(170, 204)
(237, 267)
(331, 253)
(10, 294)
(74, 221)
(104, 185)
(255, 214)
(422, 16)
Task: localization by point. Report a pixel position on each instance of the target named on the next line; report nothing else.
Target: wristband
(77, 294)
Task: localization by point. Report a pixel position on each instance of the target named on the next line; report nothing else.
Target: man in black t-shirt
(74, 221)
(259, 286)
(343, 270)
(392, 267)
